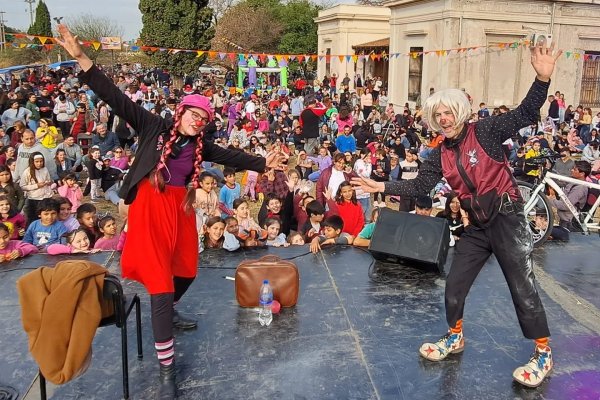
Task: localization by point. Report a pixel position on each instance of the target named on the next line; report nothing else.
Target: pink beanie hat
(202, 102)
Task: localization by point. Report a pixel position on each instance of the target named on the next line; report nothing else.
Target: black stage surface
(353, 335)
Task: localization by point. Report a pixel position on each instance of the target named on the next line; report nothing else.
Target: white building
(344, 26)
(494, 77)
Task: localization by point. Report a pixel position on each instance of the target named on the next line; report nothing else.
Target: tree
(220, 7)
(42, 25)
(300, 33)
(259, 32)
(89, 27)
(176, 24)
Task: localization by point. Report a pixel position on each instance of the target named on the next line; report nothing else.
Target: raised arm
(135, 115)
(503, 127)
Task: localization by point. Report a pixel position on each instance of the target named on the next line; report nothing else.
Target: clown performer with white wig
(472, 161)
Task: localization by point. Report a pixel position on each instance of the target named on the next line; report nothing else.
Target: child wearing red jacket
(346, 206)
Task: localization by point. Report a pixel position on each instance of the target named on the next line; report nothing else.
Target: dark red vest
(478, 179)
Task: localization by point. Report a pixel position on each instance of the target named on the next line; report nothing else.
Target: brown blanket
(61, 308)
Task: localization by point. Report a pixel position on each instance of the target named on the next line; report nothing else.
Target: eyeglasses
(197, 116)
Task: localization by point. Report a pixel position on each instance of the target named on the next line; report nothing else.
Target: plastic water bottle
(265, 301)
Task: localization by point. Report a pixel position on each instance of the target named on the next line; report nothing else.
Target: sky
(123, 12)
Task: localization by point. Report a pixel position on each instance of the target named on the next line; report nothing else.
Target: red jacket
(352, 215)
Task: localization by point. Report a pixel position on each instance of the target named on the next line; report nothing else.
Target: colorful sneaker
(533, 373)
(448, 344)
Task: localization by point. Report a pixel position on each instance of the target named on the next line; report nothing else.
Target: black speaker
(411, 237)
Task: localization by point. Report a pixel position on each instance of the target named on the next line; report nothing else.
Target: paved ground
(353, 335)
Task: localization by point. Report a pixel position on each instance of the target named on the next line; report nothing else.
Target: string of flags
(48, 43)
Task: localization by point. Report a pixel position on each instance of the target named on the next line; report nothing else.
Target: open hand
(275, 160)
(543, 60)
(13, 255)
(70, 43)
(367, 185)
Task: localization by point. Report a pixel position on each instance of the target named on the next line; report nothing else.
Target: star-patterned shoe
(449, 343)
(533, 373)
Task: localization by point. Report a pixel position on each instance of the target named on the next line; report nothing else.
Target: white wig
(456, 100)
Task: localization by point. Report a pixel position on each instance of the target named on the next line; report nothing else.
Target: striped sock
(458, 327)
(165, 351)
(542, 342)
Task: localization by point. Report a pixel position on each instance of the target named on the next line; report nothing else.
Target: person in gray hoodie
(29, 146)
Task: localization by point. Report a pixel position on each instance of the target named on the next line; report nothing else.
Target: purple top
(180, 168)
(121, 163)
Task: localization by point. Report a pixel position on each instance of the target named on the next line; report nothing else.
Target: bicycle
(538, 210)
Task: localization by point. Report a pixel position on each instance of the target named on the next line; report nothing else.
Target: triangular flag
(348, 58)
(587, 57)
(577, 55)
(96, 45)
(341, 58)
(199, 53)
(355, 58)
(285, 57)
(278, 57)
(320, 58)
(568, 53)
(30, 37)
(262, 57)
(313, 57)
(222, 56)
(300, 58)
(22, 45)
(232, 56)
(292, 57)
(372, 56)
(48, 46)
(135, 48)
(42, 39)
(212, 54)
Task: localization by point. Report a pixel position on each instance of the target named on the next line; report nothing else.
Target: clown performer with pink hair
(161, 250)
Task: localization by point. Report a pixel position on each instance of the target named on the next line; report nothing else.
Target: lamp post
(30, 2)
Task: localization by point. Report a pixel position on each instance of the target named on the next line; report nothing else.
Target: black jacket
(150, 128)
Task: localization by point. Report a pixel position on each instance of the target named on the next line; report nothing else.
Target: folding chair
(113, 291)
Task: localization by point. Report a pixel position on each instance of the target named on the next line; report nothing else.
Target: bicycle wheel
(539, 213)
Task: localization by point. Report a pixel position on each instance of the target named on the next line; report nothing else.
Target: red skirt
(162, 240)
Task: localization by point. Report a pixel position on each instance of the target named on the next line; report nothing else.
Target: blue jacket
(345, 143)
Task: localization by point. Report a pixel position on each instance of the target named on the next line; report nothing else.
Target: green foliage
(42, 25)
(179, 24)
(300, 32)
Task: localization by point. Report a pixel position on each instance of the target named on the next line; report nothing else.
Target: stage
(353, 335)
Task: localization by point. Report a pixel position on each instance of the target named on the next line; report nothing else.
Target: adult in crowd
(309, 121)
(14, 113)
(472, 161)
(161, 226)
(104, 139)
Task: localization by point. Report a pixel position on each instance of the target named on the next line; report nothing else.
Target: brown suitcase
(282, 275)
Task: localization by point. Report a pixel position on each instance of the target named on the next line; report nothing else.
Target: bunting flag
(22, 41)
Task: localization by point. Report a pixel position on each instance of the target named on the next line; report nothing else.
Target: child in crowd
(14, 220)
(86, 216)
(13, 249)
(207, 201)
(332, 234)
(245, 221)
(274, 238)
(77, 241)
(71, 190)
(300, 210)
(323, 160)
(363, 168)
(65, 215)
(229, 192)
(346, 206)
(423, 206)
(216, 237)
(251, 182)
(47, 230)
(364, 237)
(110, 239)
(13, 191)
(94, 167)
(36, 182)
(274, 208)
(312, 227)
(380, 173)
(232, 226)
(296, 239)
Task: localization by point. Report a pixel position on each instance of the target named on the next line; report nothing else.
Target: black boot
(181, 322)
(167, 389)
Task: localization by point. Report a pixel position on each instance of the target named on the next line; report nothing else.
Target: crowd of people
(57, 127)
